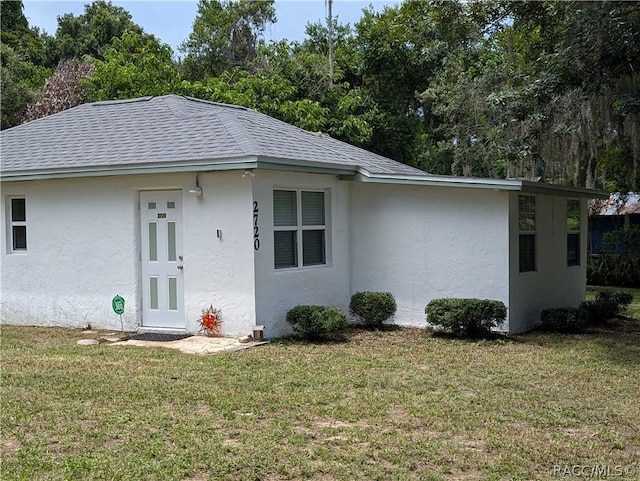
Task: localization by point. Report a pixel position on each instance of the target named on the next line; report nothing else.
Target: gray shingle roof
(172, 131)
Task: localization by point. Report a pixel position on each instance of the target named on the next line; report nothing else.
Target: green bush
(563, 319)
(466, 317)
(316, 322)
(609, 269)
(606, 306)
(373, 308)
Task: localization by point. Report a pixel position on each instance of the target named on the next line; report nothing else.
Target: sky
(172, 20)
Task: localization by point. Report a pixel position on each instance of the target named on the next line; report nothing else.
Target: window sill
(299, 269)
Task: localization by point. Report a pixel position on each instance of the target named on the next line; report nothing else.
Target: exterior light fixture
(197, 191)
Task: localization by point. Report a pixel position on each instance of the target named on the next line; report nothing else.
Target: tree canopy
(545, 89)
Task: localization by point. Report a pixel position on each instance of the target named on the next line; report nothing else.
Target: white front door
(162, 276)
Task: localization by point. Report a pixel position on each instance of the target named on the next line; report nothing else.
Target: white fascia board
(252, 162)
(206, 166)
(438, 181)
(516, 185)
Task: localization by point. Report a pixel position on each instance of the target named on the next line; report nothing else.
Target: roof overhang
(517, 185)
(344, 171)
(212, 165)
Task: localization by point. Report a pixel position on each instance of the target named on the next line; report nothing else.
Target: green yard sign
(118, 305)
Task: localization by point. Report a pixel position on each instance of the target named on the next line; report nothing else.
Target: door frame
(161, 299)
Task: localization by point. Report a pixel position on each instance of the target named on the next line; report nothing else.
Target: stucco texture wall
(81, 252)
(83, 248)
(422, 243)
(219, 271)
(278, 290)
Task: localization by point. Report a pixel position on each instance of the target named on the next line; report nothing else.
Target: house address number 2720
(256, 233)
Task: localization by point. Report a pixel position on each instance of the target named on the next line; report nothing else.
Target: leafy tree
(13, 23)
(90, 33)
(548, 90)
(135, 65)
(269, 94)
(20, 81)
(225, 35)
(22, 56)
(391, 70)
(305, 69)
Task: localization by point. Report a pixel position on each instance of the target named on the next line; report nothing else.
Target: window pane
(173, 294)
(527, 213)
(313, 247)
(171, 238)
(312, 208)
(18, 210)
(527, 252)
(573, 249)
(285, 249)
(573, 215)
(153, 292)
(284, 208)
(19, 237)
(171, 205)
(153, 241)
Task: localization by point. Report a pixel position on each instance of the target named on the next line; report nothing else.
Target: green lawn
(393, 405)
(632, 311)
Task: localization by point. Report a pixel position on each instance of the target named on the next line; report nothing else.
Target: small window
(299, 228)
(527, 232)
(18, 224)
(573, 232)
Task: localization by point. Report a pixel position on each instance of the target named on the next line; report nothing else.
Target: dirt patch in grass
(9, 445)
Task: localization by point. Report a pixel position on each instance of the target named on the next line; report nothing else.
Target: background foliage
(547, 89)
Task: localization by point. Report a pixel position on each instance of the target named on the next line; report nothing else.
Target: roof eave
(543, 188)
(251, 162)
(516, 185)
(200, 166)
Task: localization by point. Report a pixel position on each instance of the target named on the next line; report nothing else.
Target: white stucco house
(177, 204)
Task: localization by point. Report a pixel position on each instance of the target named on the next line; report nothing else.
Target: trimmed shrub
(372, 308)
(315, 322)
(563, 319)
(466, 317)
(606, 306)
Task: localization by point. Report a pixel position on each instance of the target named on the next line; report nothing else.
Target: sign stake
(118, 307)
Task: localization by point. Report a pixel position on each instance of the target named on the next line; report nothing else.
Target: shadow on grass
(336, 338)
(354, 331)
(618, 340)
(496, 337)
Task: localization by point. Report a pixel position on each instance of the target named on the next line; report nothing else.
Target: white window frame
(574, 232)
(528, 233)
(299, 229)
(12, 224)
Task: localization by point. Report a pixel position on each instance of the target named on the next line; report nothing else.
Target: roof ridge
(243, 139)
(102, 103)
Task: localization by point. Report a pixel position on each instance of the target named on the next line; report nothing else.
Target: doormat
(156, 336)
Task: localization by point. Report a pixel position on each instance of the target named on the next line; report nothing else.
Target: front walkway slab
(199, 345)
